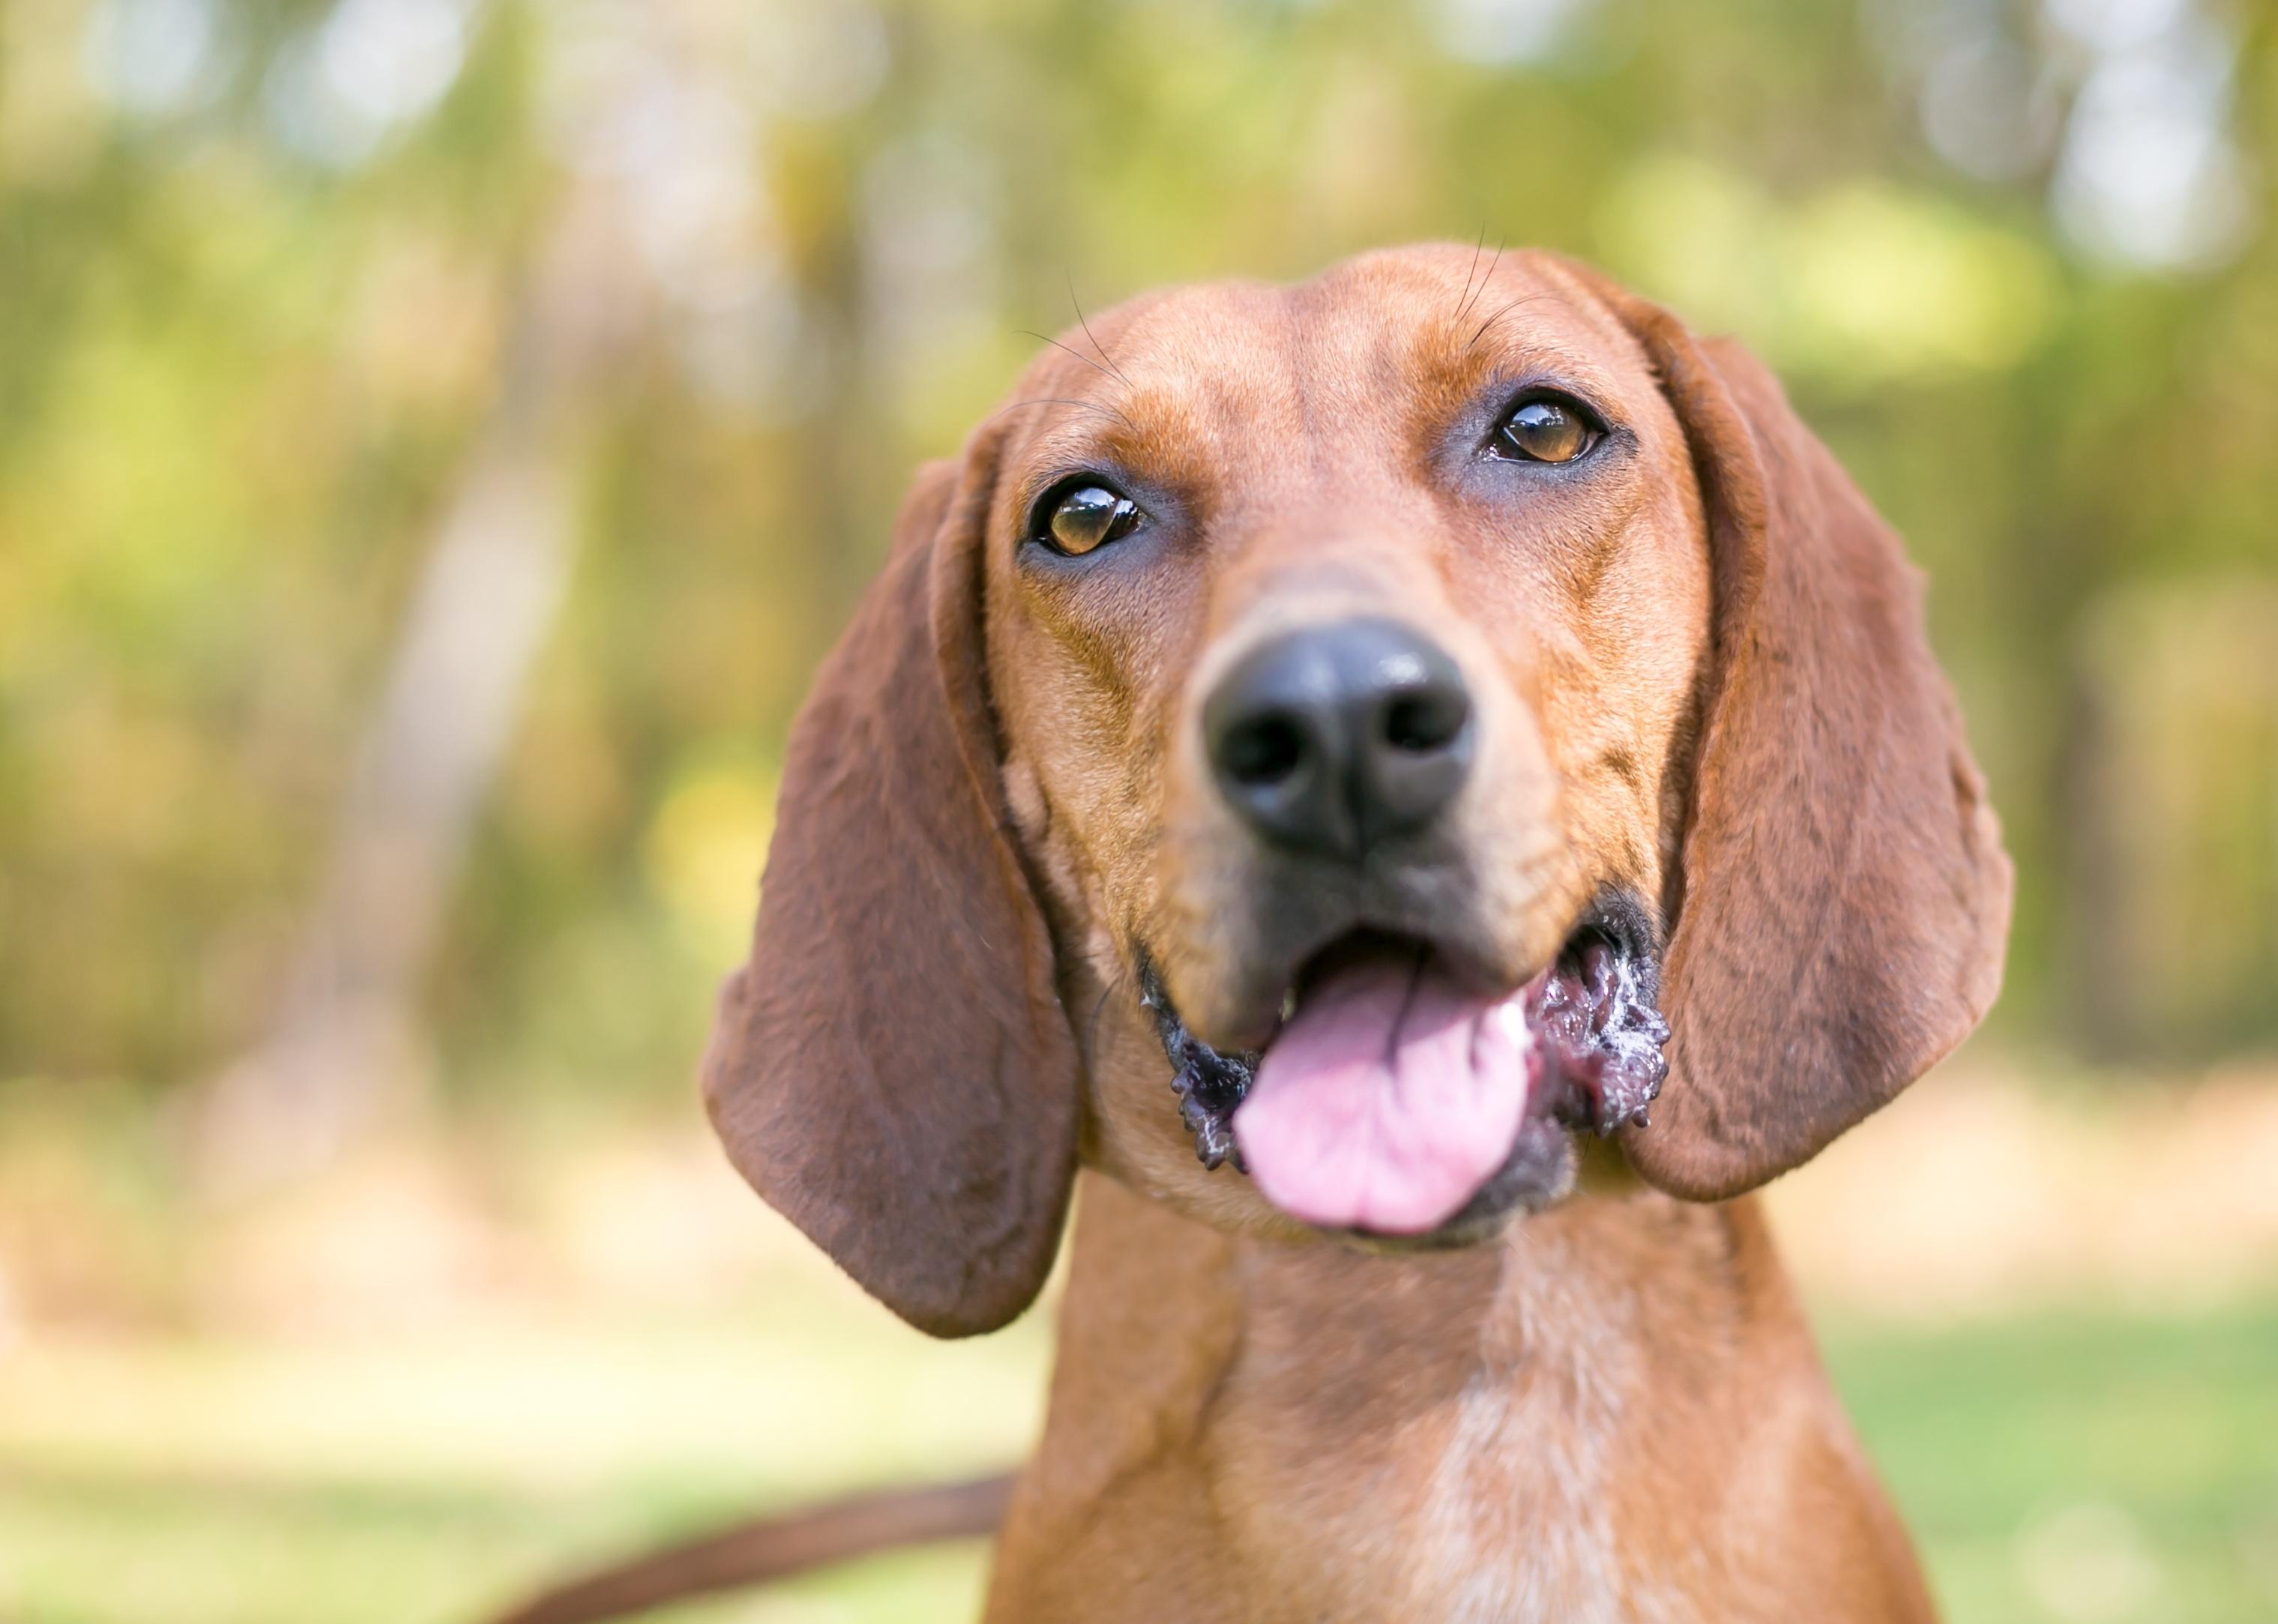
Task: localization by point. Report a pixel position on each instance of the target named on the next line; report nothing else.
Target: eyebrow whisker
(1084, 321)
(1477, 249)
(1083, 406)
(1079, 355)
(1467, 304)
(1499, 315)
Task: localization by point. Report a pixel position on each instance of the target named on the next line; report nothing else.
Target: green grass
(2140, 1454)
(2074, 1470)
(424, 1480)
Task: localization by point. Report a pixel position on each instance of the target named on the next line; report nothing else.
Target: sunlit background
(437, 439)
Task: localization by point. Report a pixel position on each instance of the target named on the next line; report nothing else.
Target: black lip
(1601, 1022)
(1210, 1085)
(1621, 919)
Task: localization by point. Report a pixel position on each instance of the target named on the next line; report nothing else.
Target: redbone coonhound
(1292, 762)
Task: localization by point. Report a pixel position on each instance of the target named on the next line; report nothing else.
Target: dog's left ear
(1844, 896)
(892, 1070)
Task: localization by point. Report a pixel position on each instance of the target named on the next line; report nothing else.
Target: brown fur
(1700, 674)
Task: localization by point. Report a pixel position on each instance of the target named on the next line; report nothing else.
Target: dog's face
(1347, 642)
(1281, 755)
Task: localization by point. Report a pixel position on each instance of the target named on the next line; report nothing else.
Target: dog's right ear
(1845, 898)
(892, 1070)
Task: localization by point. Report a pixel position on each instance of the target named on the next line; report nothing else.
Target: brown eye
(1088, 516)
(1546, 430)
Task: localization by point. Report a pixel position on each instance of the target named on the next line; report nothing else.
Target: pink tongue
(1388, 1099)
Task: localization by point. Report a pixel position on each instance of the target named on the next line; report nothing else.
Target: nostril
(1327, 739)
(1262, 752)
(1425, 719)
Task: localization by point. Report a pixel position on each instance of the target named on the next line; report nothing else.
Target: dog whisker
(1083, 406)
(1084, 321)
(1091, 1027)
(1482, 287)
(1471, 271)
(1498, 315)
(1079, 355)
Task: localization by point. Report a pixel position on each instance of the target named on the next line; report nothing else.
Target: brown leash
(774, 1548)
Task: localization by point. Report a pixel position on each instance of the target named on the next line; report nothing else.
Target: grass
(2083, 1468)
(191, 1482)
(2072, 1470)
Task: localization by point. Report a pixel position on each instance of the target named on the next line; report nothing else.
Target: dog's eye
(1086, 517)
(1545, 429)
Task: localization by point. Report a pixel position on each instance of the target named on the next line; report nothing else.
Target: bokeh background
(437, 439)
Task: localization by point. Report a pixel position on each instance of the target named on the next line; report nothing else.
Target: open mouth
(1395, 1093)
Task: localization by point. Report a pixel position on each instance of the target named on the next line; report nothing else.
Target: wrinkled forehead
(1201, 386)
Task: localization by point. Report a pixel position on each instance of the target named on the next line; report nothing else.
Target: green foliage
(254, 333)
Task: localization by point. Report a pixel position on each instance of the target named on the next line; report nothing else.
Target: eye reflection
(1546, 429)
(1089, 516)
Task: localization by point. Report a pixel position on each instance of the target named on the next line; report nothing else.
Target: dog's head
(1323, 730)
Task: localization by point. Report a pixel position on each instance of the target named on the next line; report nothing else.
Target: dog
(1415, 792)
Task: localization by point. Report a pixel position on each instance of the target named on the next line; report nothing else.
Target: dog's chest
(1512, 1523)
(1483, 1498)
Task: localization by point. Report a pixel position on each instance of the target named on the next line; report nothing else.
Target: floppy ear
(1844, 896)
(892, 1070)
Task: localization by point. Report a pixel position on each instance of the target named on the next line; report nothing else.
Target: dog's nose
(1329, 739)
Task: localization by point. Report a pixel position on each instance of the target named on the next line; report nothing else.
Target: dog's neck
(1559, 1425)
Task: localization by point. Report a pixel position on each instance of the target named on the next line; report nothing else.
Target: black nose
(1330, 739)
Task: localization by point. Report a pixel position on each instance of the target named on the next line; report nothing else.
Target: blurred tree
(275, 274)
(430, 751)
